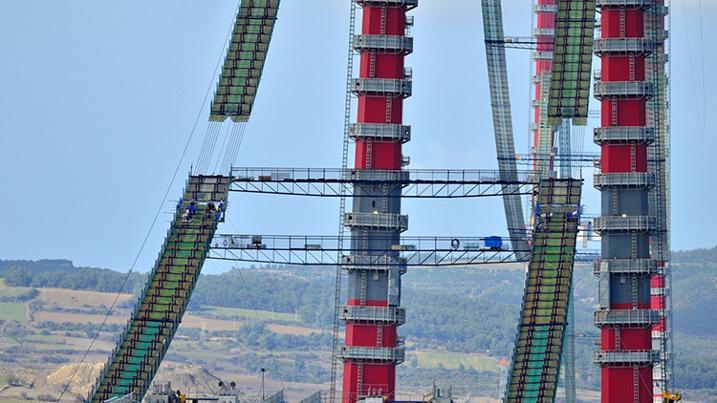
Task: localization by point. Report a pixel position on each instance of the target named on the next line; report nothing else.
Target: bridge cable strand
(182, 157)
(235, 142)
(222, 151)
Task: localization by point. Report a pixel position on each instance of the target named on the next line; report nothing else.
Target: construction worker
(220, 209)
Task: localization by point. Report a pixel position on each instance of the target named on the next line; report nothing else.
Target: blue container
(494, 242)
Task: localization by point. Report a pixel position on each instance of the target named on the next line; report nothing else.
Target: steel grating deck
(244, 63)
(543, 320)
(139, 352)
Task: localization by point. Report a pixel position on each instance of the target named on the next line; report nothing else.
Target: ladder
(359, 381)
(372, 65)
(384, 17)
(631, 62)
(613, 112)
(615, 201)
(364, 287)
(633, 158)
(379, 336)
(389, 109)
(369, 153)
(342, 201)
(618, 341)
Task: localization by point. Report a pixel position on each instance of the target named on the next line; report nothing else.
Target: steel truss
(332, 182)
(415, 251)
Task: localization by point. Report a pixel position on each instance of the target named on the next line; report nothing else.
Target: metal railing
(372, 354)
(379, 221)
(386, 43)
(637, 180)
(408, 4)
(382, 86)
(381, 131)
(373, 314)
(426, 183)
(624, 3)
(626, 358)
(623, 46)
(627, 89)
(626, 317)
(624, 224)
(624, 134)
(627, 266)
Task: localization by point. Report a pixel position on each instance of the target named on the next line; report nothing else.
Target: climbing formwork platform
(543, 319)
(149, 332)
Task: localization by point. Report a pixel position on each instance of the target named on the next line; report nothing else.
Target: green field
(13, 311)
(238, 313)
(12, 292)
(454, 360)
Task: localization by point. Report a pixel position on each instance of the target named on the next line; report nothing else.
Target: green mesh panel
(536, 356)
(572, 62)
(161, 306)
(244, 62)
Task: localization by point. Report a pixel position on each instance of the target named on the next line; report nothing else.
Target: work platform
(426, 183)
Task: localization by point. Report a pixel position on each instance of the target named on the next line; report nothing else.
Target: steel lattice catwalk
(147, 337)
(543, 319)
(625, 317)
(502, 118)
(239, 82)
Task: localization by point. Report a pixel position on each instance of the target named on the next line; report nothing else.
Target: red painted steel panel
(383, 155)
(373, 110)
(657, 281)
(618, 385)
(630, 339)
(630, 112)
(618, 158)
(395, 20)
(613, 28)
(617, 68)
(657, 302)
(366, 335)
(384, 66)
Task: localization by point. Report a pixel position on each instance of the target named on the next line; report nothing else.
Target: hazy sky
(97, 99)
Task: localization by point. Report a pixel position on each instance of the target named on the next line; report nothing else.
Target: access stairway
(543, 320)
(145, 340)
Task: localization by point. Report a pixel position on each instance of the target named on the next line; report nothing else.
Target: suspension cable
(188, 142)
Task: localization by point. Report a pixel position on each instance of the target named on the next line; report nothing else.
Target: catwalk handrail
(337, 175)
(321, 250)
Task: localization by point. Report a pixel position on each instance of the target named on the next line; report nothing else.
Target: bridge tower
(625, 316)
(373, 310)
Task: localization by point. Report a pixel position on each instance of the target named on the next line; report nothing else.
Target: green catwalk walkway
(538, 345)
(155, 320)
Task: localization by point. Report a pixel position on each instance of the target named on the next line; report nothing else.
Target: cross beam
(329, 182)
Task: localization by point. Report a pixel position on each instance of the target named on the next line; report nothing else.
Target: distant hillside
(459, 310)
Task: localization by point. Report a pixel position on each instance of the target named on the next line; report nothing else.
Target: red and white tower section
(625, 316)
(544, 33)
(372, 312)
